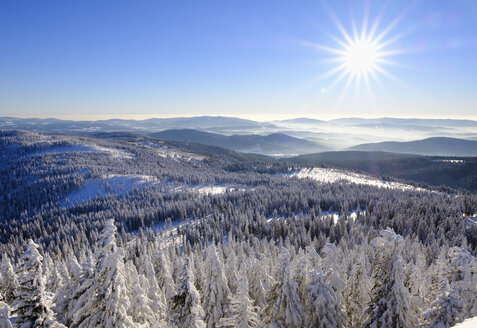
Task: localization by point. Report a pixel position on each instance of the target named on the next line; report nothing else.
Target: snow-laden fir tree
(80, 291)
(107, 298)
(242, 312)
(231, 271)
(186, 305)
(323, 304)
(156, 298)
(4, 316)
(390, 304)
(259, 282)
(215, 292)
(458, 299)
(445, 311)
(163, 270)
(284, 308)
(63, 294)
(30, 304)
(357, 290)
(8, 281)
(139, 308)
(463, 277)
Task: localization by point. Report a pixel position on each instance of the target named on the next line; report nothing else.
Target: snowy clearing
(120, 185)
(468, 323)
(166, 152)
(213, 189)
(114, 153)
(328, 175)
(335, 215)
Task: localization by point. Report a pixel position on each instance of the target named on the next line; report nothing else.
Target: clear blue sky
(94, 59)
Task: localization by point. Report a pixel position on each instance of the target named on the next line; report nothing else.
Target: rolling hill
(272, 144)
(438, 146)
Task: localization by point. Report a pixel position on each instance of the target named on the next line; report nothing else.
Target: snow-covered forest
(128, 231)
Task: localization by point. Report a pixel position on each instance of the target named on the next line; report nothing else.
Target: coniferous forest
(130, 231)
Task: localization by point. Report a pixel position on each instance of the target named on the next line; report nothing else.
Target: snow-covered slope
(120, 185)
(468, 323)
(114, 153)
(328, 175)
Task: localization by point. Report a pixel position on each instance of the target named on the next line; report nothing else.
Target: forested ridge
(266, 250)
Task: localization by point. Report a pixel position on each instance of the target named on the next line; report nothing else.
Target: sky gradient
(255, 59)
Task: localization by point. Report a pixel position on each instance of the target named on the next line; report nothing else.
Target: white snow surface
(114, 153)
(115, 184)
(166, 152)
(468, 323)
(120, 185)
(328, 175)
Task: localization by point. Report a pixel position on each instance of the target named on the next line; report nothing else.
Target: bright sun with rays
(361, 55)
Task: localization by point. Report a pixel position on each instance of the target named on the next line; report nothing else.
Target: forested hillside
(130, 231)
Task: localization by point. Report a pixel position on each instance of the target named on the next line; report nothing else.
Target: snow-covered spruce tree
(30, 305)
(259, 282)
(4, 316)
(139, 308)
(215, 291)
(107, 299)
(390, 305)
(163, 270)
(231, 271)
(80, 291)
(357, 291)
(186, 306)
(63, 294)
(444, 312)
(156, 298)
(242, 312)
(284, 308)
(323, 305)
(463, 278)
(8, 281)
(458, 300)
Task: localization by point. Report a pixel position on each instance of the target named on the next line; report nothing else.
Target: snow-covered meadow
(330, 175)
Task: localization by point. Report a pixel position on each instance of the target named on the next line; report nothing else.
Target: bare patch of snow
(328, 175)
(166, 152)
(114, 153)
(115, 184)
(65, 149)
(468, 323)
(212, 189)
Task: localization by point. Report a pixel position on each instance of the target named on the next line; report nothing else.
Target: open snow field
(166, 152)
(328, 175)
(468, 323)
(120, 185)
(114, 153)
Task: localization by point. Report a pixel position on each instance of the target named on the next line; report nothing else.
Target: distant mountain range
(272, 144)
(286, 137)
(430, 146)
(149, 125)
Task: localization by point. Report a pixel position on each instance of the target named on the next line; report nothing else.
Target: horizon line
(258, 118)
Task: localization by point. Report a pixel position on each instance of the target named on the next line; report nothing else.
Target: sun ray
(361, 53)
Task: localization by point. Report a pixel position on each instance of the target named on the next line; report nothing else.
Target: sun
(360, 57)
